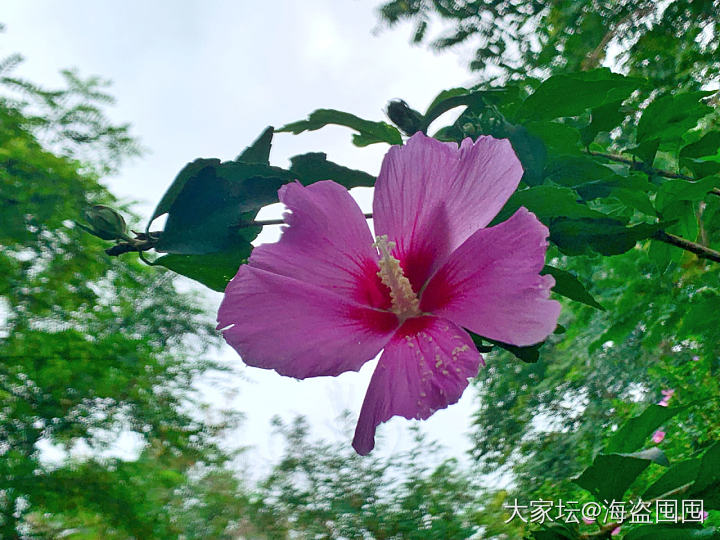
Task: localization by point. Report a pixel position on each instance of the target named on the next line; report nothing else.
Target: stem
(701, 251)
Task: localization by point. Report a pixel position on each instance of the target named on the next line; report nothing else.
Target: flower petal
(424, 367)
(431, 196)
(299, 329)
(327, 243)
(491, 284)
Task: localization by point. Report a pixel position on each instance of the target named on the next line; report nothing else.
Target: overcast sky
(203, 79)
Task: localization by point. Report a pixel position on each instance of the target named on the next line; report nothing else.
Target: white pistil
(405, 302)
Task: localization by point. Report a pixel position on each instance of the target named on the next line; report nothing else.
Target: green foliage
(323, 490)
(71, 120)
(90, 347)
(673, 45)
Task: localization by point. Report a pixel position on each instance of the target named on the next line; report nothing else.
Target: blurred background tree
(673, 44)
(90, 347)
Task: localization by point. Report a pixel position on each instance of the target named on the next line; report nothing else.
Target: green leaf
(259, 151)
(678, 475)
(574, 171)
(636, 432)
(560, 139)
(569, 286)
(531, 152)
(708, 145)
(604, 118)
(573, 94)
(673, 191)
(605, 236)
(646, 151)
(669, 117)
(188, 172)
(610, 475)
(709, 473)
(315, 166)
(664, 532)
(368, 132)
(450, 99)
(214, 270)
(211, 201)
(548, 202)
(635, 198)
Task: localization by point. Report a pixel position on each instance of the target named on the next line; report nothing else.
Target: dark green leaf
(531, 152)
(548, 202)
(449, 99)
(636, 432)
(676, 190)
(573, 94)
(646, 151)
(635, 198)
(368, 132)
(605, 236)
(678, 475)
(708, 145)
(709, 473)
(560, 139)
(259, 151)
(214, 201)
(314, 166)
(189, 171)
(577, 170)
(669, 117)
(569, 286)
(214, 270)
(603, 118)
(610, 475)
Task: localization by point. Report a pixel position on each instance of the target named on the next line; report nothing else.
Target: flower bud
(403, 116)
(105, 222)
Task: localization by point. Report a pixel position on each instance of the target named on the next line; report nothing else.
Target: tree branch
(701, 251)
(640, 166)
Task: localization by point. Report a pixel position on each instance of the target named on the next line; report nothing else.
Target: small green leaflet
(368, 132)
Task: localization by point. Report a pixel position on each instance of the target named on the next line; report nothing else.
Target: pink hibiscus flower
(327, 297)
(658, 437)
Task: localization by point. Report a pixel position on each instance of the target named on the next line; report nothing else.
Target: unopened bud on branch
(403, 116)
(105, 223)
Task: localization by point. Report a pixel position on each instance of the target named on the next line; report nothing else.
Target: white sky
(203, 79)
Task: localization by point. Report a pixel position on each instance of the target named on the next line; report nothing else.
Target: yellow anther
(405, 302)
